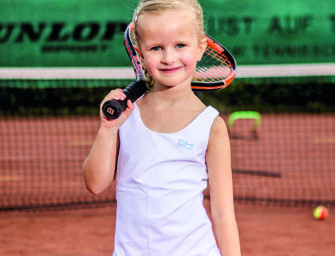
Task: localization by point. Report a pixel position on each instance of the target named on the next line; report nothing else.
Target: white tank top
(159, 183)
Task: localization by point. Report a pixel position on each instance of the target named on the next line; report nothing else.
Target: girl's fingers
(116, 94)
(130, 107)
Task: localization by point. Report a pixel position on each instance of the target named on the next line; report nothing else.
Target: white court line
(324, 69)
(67, 73)
(243, 71)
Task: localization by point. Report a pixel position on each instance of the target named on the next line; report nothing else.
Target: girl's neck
(170, 95)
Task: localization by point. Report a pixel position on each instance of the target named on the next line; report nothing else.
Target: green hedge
(279, 96)
(243, 94)
(51, 101)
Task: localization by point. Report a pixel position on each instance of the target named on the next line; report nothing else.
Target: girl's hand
(116, 94)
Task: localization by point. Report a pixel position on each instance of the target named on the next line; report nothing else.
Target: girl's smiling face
(169, 46)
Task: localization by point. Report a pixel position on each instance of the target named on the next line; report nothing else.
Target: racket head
(215, 70)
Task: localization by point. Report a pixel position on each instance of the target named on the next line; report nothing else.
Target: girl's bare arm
(99, 166)
(221, 190)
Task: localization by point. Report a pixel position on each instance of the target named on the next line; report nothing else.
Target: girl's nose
(169, 56)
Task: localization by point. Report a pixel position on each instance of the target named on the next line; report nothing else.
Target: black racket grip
(112, 109)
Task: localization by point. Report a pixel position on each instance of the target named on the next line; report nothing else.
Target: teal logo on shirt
(184, 144)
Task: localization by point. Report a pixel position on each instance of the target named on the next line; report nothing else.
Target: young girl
(166, 146)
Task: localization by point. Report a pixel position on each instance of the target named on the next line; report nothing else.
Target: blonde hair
(148, 6)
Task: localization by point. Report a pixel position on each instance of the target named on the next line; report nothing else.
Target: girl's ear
(139, 52)
(202, 47)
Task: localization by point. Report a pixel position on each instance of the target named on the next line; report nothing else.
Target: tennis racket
(216, 70)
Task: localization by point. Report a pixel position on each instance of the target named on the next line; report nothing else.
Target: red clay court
(279, 177)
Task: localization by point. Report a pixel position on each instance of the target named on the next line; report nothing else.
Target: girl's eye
(156, 48)
(180, 45)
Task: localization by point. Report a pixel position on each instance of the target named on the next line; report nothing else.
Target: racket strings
(213, 67)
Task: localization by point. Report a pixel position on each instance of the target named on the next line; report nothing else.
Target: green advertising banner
(89, 33)
(274, 32)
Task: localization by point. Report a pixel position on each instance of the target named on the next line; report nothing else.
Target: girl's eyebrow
(182, 41)
(153, 45)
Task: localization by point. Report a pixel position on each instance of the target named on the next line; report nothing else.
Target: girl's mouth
(169, 70)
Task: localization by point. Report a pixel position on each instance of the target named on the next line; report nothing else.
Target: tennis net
(48, 123)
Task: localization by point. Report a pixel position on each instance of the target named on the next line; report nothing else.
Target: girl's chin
(172, 84)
